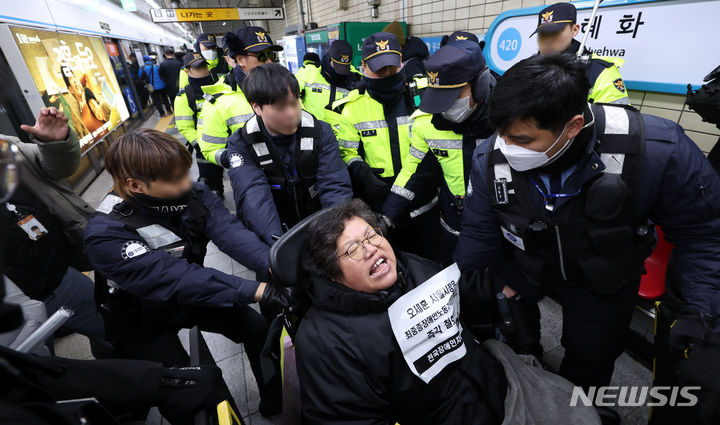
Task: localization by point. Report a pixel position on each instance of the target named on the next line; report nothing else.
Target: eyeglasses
(374, 237)
(264, 56)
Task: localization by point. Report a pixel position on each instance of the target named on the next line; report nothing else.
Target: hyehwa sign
(665, 44)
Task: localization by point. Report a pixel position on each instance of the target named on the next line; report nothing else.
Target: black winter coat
(352, 370)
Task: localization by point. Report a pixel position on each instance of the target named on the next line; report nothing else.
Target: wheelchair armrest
(286, 253)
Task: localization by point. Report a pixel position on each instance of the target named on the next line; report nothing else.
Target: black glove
(276, 296)
(367, 184)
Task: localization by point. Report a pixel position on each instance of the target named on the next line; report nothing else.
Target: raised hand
(51, 125)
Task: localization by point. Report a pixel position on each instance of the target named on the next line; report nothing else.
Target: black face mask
(204, 81)
(162, 207)
(387, 89)
(340, 80)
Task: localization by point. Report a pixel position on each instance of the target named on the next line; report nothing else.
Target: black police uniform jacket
(165, 282)
(352, 370)
(676, 188)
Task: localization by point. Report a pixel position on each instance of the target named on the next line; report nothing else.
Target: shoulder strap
(192, 102)
(263, 153)
(154, 235)
(333, 90)
(620, 130)
(307, 146)
(212, 97)
(107, 204)
(230, 81)
(500, 177)
(157, 236)
(309, 137)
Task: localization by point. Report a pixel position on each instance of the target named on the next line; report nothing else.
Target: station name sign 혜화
(217, 14)
(666, 44)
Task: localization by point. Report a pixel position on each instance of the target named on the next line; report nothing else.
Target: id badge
(32, 226)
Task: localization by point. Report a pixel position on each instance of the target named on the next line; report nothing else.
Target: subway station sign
(216, 14)
(666, 44)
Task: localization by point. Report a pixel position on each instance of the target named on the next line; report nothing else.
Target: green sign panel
(316, 37)
(129, 5)
(356, 32)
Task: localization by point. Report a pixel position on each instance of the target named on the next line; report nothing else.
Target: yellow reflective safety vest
(453, 154)
(212, 64)
(363, 123)
(363, 134)
(606, 83)
(316, 92)
(188, 109)
(219, 120)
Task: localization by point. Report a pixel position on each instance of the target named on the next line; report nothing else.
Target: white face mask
(523, 159)
(209, 54)
(459, 111)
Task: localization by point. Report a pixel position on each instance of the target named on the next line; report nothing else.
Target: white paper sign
(426, 327)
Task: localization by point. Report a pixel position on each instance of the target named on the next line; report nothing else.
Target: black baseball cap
(449, 70)
(207, 40)
(194, 60)
(459, 36)
(554, 18)
(256, 39)
(380, 50)
(340, 54)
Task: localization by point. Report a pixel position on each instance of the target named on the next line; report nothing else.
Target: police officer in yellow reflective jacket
(332, 80)
(202, 87)
(206, 46)
(451, 122)
(310, 60)
(557, 27)
(248, 47)
(374, 139)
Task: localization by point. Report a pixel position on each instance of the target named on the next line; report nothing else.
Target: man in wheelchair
(351, 365)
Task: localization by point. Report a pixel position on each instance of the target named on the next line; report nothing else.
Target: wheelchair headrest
(286, 253)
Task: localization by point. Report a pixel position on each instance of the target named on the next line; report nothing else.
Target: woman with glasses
(350, 363)
(350, 367)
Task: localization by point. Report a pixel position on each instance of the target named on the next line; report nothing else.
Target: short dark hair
(320, 258)
(146, 155)
(311, 56)
(550, 89)
(169, 52)
(269, 83)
